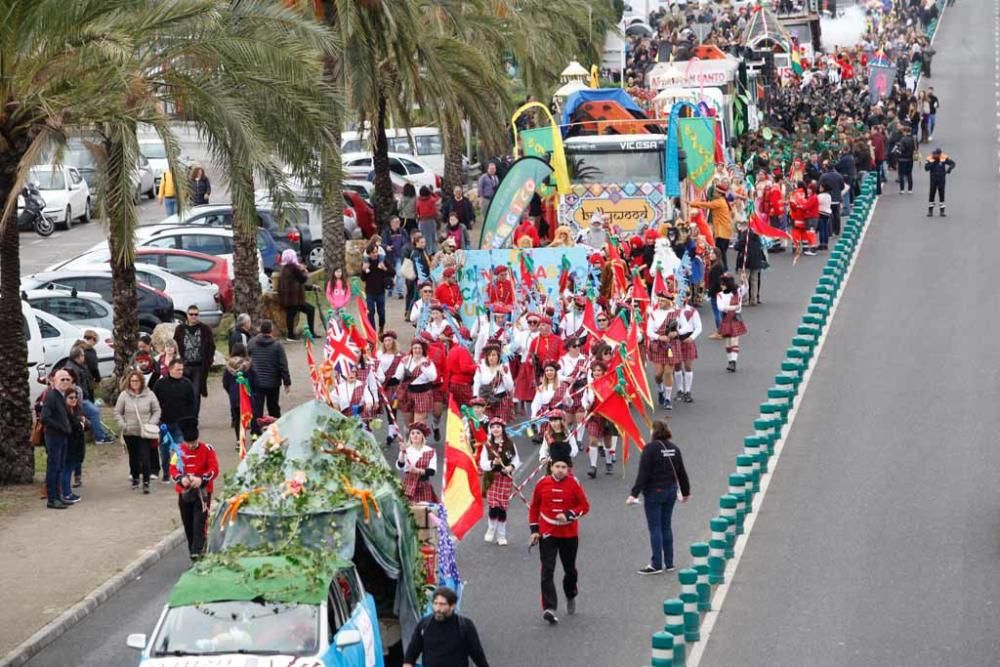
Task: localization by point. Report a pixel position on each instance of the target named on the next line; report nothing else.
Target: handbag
(147, 431)
(408, 270)
(37, 433)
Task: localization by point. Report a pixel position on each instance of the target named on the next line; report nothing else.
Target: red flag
(760, 225)
(370, 334)
(590, 324)
(616, 333)
(246, 412)
(613, 406)
(635, 368)
(639, 292)
(703, 227)
(319, 385)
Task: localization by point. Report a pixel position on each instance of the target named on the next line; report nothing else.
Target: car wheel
(86, 212)
(314, 260)
(136, 196)
(152, 192)
(68, 222)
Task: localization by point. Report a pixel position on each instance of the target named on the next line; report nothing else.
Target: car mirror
(136, 640)
(347, 638)
(43, 371)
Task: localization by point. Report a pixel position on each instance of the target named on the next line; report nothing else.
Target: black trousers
(937, 188)
(292, 315)
(905, 169)
(194, 516)
(262, 395)
(835, 218)
(139, 451)
(194, 373)
(566, 548)
(722, 245)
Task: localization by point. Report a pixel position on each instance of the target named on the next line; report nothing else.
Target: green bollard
(673, 609)
(688, 579)
(699, 553)
(744, 466)
(663, 650)
(737, 484)
(720, 531)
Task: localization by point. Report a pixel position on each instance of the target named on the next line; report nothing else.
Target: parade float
(315, 557)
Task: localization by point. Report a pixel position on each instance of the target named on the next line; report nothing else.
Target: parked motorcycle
(31, 214)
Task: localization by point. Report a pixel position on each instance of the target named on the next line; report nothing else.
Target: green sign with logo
(698, 142)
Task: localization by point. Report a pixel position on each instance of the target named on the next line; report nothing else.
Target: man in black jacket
(55, 418)
(241, 332)
(939, 165)
(905, 149)
(176, 395)
(270, 364)
(77, 363)
(196, 346)
(444, 638)
(834, 184)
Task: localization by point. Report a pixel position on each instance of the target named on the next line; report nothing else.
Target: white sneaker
(501, 541)
(490, 534)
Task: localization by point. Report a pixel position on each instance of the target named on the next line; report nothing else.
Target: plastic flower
(296, 485)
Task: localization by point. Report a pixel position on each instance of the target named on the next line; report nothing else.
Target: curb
(66, 620)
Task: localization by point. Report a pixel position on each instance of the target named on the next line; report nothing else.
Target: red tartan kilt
(659, 353)
(462, 393)
(731, 327)
(504, 409)
(418, 491)
(677, 347)
(422, 402)
(598, 427)
(524, 384)
(689, 350)
(498, 495)
(573, 403)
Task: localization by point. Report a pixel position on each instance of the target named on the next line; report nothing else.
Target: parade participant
(418, 463)
(550, 393)
(486, 331)
(426, 292)
(354, 398)
(523, 341)
(660, 476)
(572, 324)
(417, 375)
(688, 330)
(461, 368)
(722, 218)
(573, 369)
(436, 323)
(477, 426)
(388, 358)
(437, 351)
(498, 460)
(546, 348)
(558, 441)
(562, 238)
(557, 505)
(661, 329)
(799, 204)
(194, 472)
(526, 230)
(501, 289)
(601, 432)
(594, 237)
(494, 384)
(730, 302)
(939, 165)
(448, 292)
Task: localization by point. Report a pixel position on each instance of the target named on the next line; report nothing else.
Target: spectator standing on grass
(241, 332)
(201, 187)
(270, 365)
(193, 472)
(444, 638)
(377, 276)
(78, 364)
(176, 395)
(486, 188)
(55, 419)
(292, 293)
(76, 446)
(196, 346)
(660, 476)
(137, 406)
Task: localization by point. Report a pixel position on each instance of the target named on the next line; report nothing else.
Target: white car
(59, 337)
(155, 153)
(183, 290)
(81, 309)
(37, 368)
(66, 193)
(403, 168)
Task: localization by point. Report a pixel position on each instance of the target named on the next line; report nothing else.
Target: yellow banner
(626, 213)
(558, 161)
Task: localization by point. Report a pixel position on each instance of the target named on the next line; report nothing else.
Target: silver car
(82, 309)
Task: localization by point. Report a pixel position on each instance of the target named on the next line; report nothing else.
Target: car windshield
(79, 158)
(48, 179)
(153, 151)
(614, 167)
(426, 144)
(256, 628)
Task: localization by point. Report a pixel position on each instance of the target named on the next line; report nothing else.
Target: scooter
(30, 215)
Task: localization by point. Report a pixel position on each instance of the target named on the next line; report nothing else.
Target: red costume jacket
(461, 367)
(551, 498)
(547, 347)
(449, 295)
(199, 462)
(501, 291)
(438, 354)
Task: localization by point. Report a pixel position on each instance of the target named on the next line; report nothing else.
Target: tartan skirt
(689, 350)
(418, 490)
(659, 353)
(732, 327)
(461, 392)
(413, 402)
(504, 409)
(498, 495)
(440, 395)
(598, 427)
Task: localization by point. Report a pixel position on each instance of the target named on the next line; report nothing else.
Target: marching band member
(602, 433)
(522, 344)
(551, 393)
(354, 397)
(461, 368)
(660, 331)
(730, 302)
(558, 442)
(436, 323)
(501, 289)
(498, 460)
(688, 330)
(572, 325)
(426, 291)
(485, 330)
(418, 463)
(573, 370)
(437, 352)
(493, 383)
(417, 376)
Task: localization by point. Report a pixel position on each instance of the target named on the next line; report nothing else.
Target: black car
(154, 306)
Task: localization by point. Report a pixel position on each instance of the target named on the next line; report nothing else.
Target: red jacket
(437, 353)
(526, 228)
(200, 462)
(547, 348)
(427, 206)
(449, 295)
(797, 205)
(551, 498)
(461, 366)
(501, 291)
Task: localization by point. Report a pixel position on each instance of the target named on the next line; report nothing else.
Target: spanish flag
(462, 496)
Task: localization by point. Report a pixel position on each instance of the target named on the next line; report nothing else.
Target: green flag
(698, 142)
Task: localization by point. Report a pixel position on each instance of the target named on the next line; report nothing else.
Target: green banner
(511, 201)
(537, 142)
(698, 142)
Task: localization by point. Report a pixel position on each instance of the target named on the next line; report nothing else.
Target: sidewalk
(52, 560)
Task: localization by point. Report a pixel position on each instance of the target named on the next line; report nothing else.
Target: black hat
(559, 450)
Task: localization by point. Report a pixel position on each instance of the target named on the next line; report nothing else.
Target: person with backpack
(444, 638)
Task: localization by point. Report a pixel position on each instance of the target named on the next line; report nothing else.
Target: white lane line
(708, 622)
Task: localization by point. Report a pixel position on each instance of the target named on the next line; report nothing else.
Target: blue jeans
(659, 506)
(170, 205)
(376, 305)
(399, 284)
(931, 122)
(715, 313)
(55, 450)
(93, 415)
(823, 227)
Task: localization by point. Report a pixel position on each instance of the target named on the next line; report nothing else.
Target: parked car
(209, 241)
(37, 368)
(405, 168)
(82, 309)
(77, 155)
(363, 187)
(293, 232)
(195, 265)
(426, 144)
(155, 307)
(59, 337)
(66, 193)
(153, 150)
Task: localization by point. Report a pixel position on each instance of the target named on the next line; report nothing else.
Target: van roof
(392, 132)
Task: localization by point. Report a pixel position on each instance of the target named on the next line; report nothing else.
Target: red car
(364, 214)
(194, 265)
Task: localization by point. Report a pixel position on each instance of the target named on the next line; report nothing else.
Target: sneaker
(809, 253)
(134, 484)
(649, 569)
(571, 606)
(592, 473)
(490, 534)
(71, 499)
(669, 568)
(155, 476)
(501, 541)
(668, 404)
(550, 617)
(56, 505)
(292, 339)
(104, 442)
(166, 480)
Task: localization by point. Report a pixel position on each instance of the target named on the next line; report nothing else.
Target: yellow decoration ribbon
(365, 496)
(234, 504)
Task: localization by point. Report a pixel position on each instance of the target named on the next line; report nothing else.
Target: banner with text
(511, 200)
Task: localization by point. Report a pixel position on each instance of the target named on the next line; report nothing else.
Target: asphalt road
(879, 539)
(618, 609)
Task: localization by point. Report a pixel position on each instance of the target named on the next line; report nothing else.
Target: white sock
(502, 529)
(493, 525)
(731, 356)
(679, 381)
(592, 455)
(663, 389)
(688, 381)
